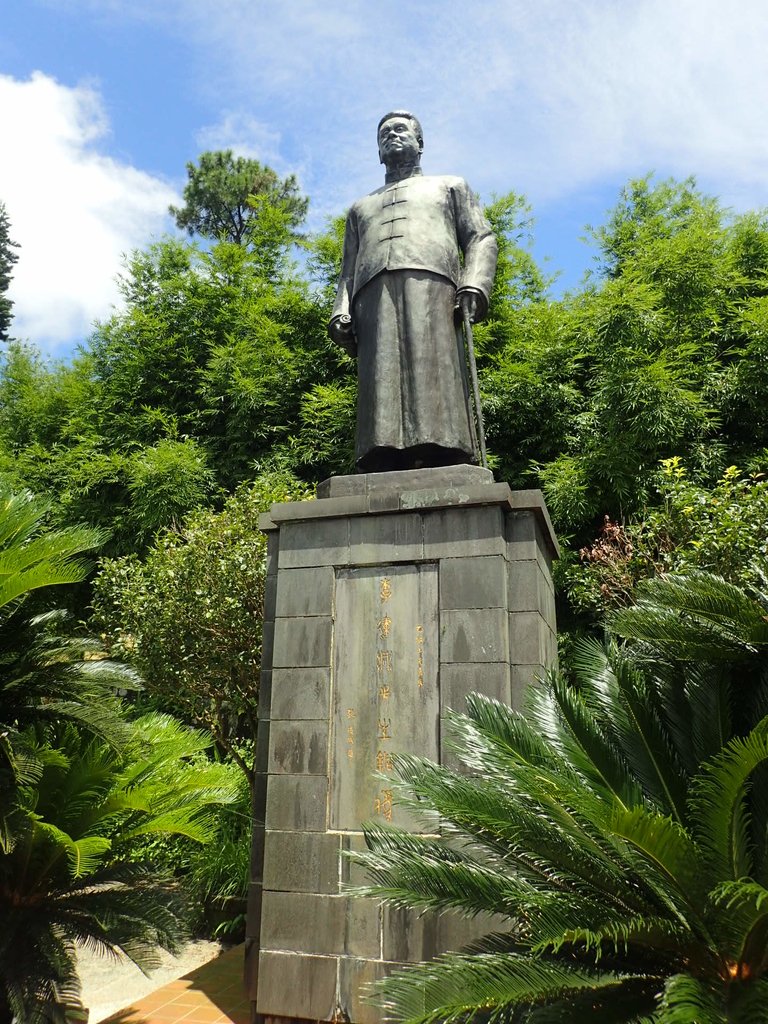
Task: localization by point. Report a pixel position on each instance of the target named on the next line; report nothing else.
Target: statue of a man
(402, 283)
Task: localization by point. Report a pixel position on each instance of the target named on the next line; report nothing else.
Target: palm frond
(719, 812)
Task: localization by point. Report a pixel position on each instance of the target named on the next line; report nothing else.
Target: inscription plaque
(385, 686)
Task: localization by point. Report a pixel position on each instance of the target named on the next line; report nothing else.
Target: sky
(103, 103)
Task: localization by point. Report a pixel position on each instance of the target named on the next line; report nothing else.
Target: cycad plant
(619, 825)
(74, 873)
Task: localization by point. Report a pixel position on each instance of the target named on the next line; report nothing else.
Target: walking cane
(475, 387)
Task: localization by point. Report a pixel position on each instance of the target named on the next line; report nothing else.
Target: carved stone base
(389, 599)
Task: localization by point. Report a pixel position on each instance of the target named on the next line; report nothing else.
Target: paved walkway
(211, 994)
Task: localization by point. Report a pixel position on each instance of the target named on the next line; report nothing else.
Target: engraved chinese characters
(385, 685)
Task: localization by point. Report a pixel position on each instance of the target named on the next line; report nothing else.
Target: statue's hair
(407, 114)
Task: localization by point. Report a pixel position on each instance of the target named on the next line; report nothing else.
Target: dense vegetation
(637, 403)
(614, 831)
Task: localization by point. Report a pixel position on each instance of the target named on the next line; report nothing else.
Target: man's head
(400, 138)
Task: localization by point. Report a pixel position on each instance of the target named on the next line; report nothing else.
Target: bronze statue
(402, 285)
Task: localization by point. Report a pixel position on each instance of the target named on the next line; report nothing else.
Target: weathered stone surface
(385, 672)
(302, 922)
(267, 643)
(251, 967)
(273, 551)
(265, 692)
(471, 531)
(270, 595)
(325, 542)
(526, 585)
(307, 591)
(302, 862)
(528, 639)
(301, 693)
(297, 802)
(470, 563)
(262, 745)
(458, 680)
(351, 873)
(302, 642)
(291, 985)
(523, 677)
(404, 480)
(522, 543)
(298, 747)
(468, 582)
(473, 635)
(386, 538)
(320, 923)
(409, 937)
(354, 977)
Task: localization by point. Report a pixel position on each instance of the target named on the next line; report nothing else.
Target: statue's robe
(408, 248)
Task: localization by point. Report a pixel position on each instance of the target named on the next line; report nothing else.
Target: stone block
(267, 643)
(467, 531)
(254, 903)
(302, 862)
(270, 596)
(265, 693)
(473, 635)
(301, 693)
(261, 760)
(523, 677)
(297, 803)
(432, 477)
(251, 968)
(489, 678)
(257, 852)
(473, 582)
(409, 937)
(302, 642)
(527, 638)
(355, 977)
(320, 923)
(306, 591)
(351, 873)
(320, 542)
(455, 932)
(300, 922)
(297, 748)
(291, 985)
(522, 537)
(259, 805)
(385, 538)
(525, 585)
(273, 552)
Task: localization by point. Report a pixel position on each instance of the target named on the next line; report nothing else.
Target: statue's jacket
(418, 223)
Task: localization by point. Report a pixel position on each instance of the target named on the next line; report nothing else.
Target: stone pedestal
(389, 598)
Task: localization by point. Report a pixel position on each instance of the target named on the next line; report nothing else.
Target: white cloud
(74, 210)
(243, 134)
(546, 96)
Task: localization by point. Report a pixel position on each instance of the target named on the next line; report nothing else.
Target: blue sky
(102, 103)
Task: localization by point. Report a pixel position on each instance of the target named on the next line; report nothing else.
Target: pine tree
(7, 258)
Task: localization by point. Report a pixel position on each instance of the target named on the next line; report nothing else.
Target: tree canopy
(229, 198)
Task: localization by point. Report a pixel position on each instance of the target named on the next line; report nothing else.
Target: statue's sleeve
(344, 292)
(477, 242)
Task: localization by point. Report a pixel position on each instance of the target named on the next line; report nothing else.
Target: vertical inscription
(385, 640)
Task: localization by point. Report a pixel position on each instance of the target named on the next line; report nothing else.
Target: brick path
(212, 994)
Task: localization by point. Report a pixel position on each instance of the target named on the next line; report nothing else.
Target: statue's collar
(409, 171)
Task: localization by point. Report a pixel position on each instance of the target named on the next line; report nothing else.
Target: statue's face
(398, 142)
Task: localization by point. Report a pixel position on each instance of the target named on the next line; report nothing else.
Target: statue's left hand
(468, 304)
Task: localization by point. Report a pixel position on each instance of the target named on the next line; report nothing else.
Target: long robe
(413, 396)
